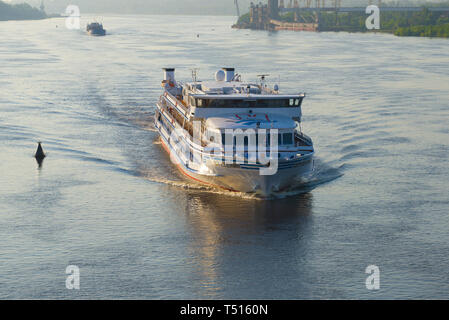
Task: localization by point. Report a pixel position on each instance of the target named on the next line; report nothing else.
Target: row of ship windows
(228, 103)
(283, 139)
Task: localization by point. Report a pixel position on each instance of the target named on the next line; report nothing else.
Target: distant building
(259, 15)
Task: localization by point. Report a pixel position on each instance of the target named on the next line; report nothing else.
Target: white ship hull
(246, 178)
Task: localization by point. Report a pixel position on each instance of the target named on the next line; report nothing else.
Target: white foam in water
(187, 185)
(322, 173)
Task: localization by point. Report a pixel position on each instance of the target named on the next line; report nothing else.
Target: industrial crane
(237, 6)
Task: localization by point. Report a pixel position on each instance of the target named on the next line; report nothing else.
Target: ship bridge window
(283, 139)
(294, 102)
(287, 138)
(240, 103)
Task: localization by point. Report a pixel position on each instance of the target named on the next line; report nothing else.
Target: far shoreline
(34, 19)
(23, 12)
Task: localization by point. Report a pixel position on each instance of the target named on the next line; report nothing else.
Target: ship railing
(176, 104)
(302, 140)
(236, 156)
(218, 152)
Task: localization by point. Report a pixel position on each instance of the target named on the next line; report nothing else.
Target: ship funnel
(229, 72)
(169, 74)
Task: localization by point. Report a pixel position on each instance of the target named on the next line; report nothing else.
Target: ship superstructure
(232, 134)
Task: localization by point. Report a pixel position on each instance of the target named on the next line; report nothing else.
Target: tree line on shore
(21, 11)
(403, 23)
(424, 23)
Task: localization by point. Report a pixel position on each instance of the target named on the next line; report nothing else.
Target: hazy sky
(219, 7)
(225, 7)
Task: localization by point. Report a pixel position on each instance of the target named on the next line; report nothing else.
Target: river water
(108, 200)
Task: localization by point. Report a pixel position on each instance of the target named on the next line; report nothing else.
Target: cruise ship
(231, 134)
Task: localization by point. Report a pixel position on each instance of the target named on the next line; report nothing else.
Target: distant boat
(95, 29)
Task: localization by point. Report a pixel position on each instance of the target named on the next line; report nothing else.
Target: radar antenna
(195, 75)
(263, 76)
(262, 80)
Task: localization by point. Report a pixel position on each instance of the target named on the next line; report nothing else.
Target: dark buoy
(40, 155)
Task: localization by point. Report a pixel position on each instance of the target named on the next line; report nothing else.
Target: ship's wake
(153, 164)
(323, 173)
(174, 179)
